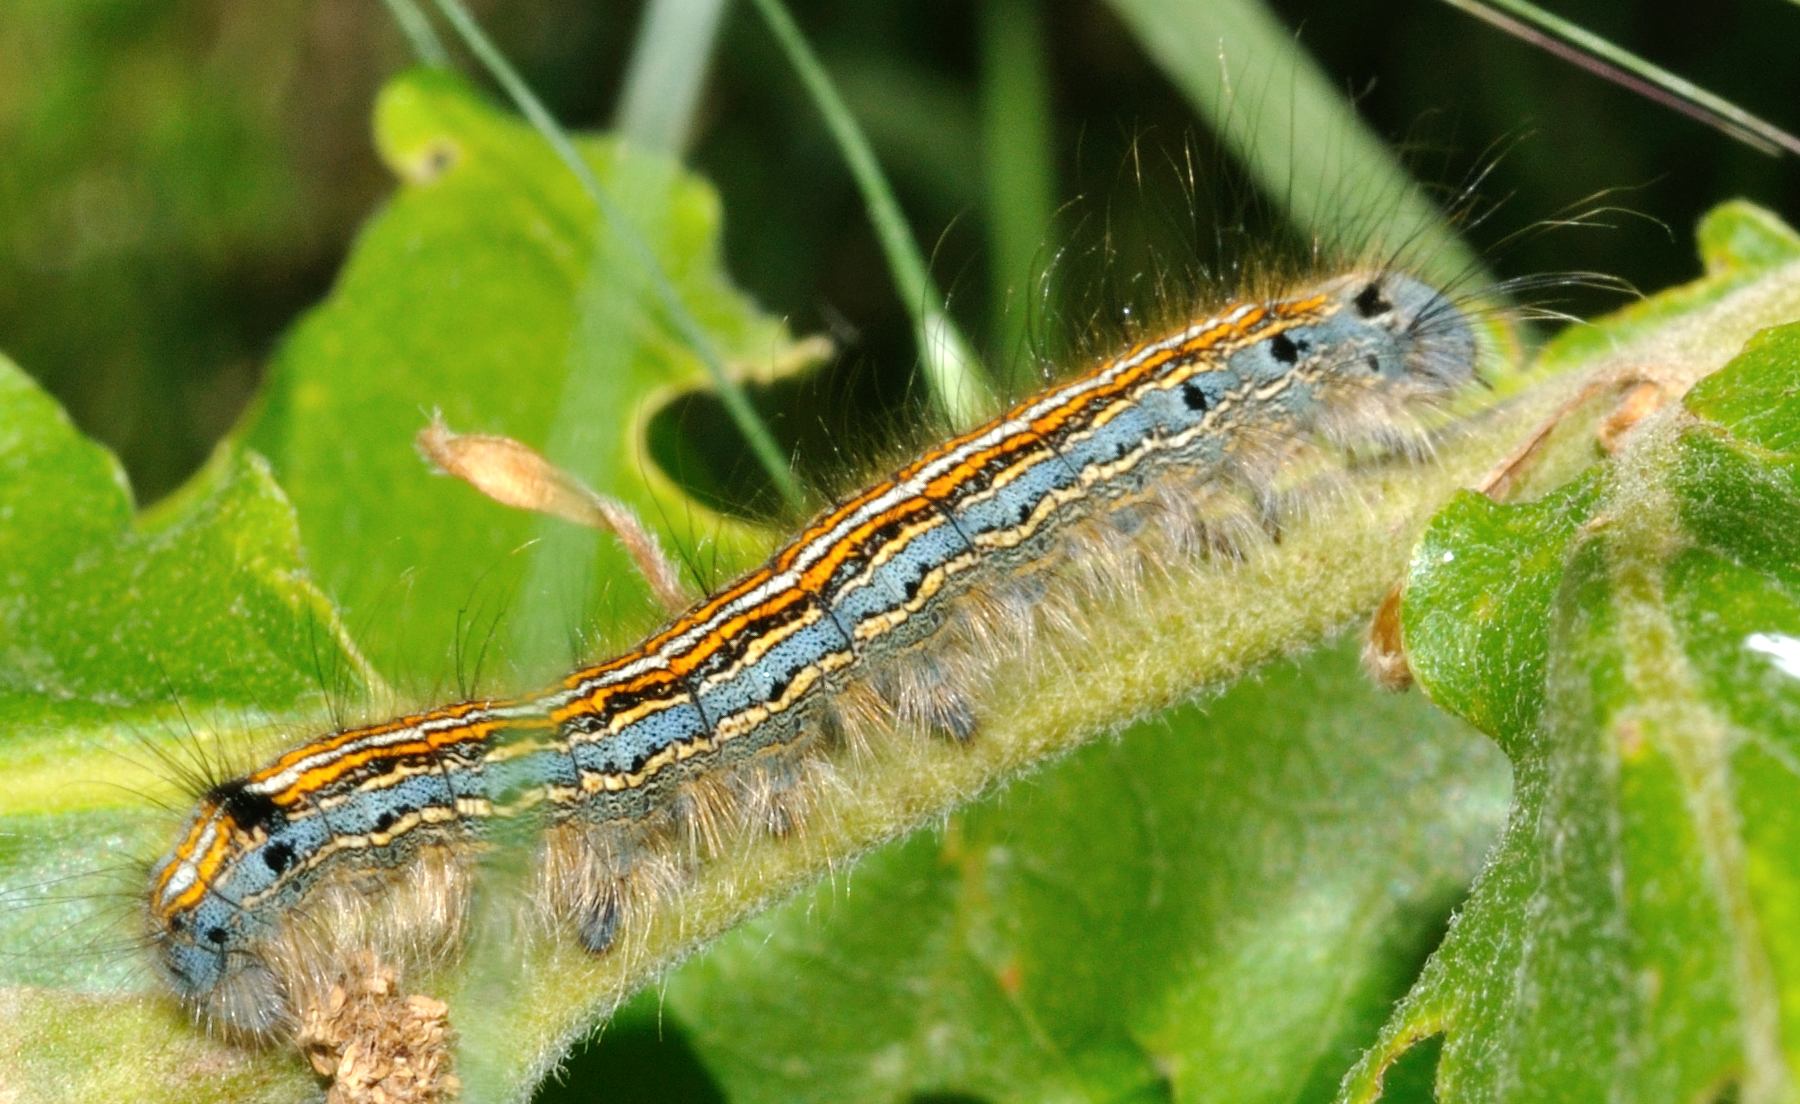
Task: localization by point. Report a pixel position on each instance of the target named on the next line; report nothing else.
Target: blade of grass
(426, 45)
(1306, 149)
(951, 370)
(1015, 139)
(1580, 47)
(924, 123)
(668, 65)
(737, 404)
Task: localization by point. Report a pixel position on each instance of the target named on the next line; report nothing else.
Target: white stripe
(187, 872)
(277, 783)
(900, 492)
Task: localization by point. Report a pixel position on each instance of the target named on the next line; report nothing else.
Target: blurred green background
(180, 178)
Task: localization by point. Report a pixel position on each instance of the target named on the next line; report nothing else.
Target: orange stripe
(204, 868)
(326, 773)
(682, 663)
(596, 701)
(939, 489)
(813, 582)
(703, 649)
(829, 521)
(339, 739)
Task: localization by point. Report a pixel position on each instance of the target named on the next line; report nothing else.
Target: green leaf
(1222, 904)
(1740, 245)
(116, 633)
(489, 289)
(103, 612)
(1632, 641)
(108, 620)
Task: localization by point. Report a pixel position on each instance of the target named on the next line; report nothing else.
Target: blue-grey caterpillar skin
(745, 688)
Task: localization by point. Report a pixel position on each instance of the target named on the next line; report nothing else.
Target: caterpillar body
(629, 771)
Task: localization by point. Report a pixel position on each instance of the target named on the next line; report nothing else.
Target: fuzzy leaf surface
(1223, 903)
(1632, 641)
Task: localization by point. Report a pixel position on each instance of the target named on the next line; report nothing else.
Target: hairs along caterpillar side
(881, 620)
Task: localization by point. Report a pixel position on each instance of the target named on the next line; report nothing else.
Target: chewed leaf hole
(1411, 1077)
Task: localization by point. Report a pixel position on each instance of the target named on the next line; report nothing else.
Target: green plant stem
(737, 403)
(1293, 132)
(951, 369)
(426, 44)
(668, 66)
(1015, 139)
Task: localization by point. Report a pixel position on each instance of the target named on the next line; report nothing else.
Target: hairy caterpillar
(628, 772)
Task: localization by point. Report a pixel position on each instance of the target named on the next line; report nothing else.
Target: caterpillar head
(1365, 331)
(205, 940)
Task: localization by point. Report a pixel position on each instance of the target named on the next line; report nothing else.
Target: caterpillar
(628, 772)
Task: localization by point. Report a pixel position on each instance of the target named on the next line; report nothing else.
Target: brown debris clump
(377, 1045)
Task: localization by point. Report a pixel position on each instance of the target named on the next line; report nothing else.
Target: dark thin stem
(1596, 55)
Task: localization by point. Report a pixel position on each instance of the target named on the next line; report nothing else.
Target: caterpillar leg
(598, 925)
(925, 694)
